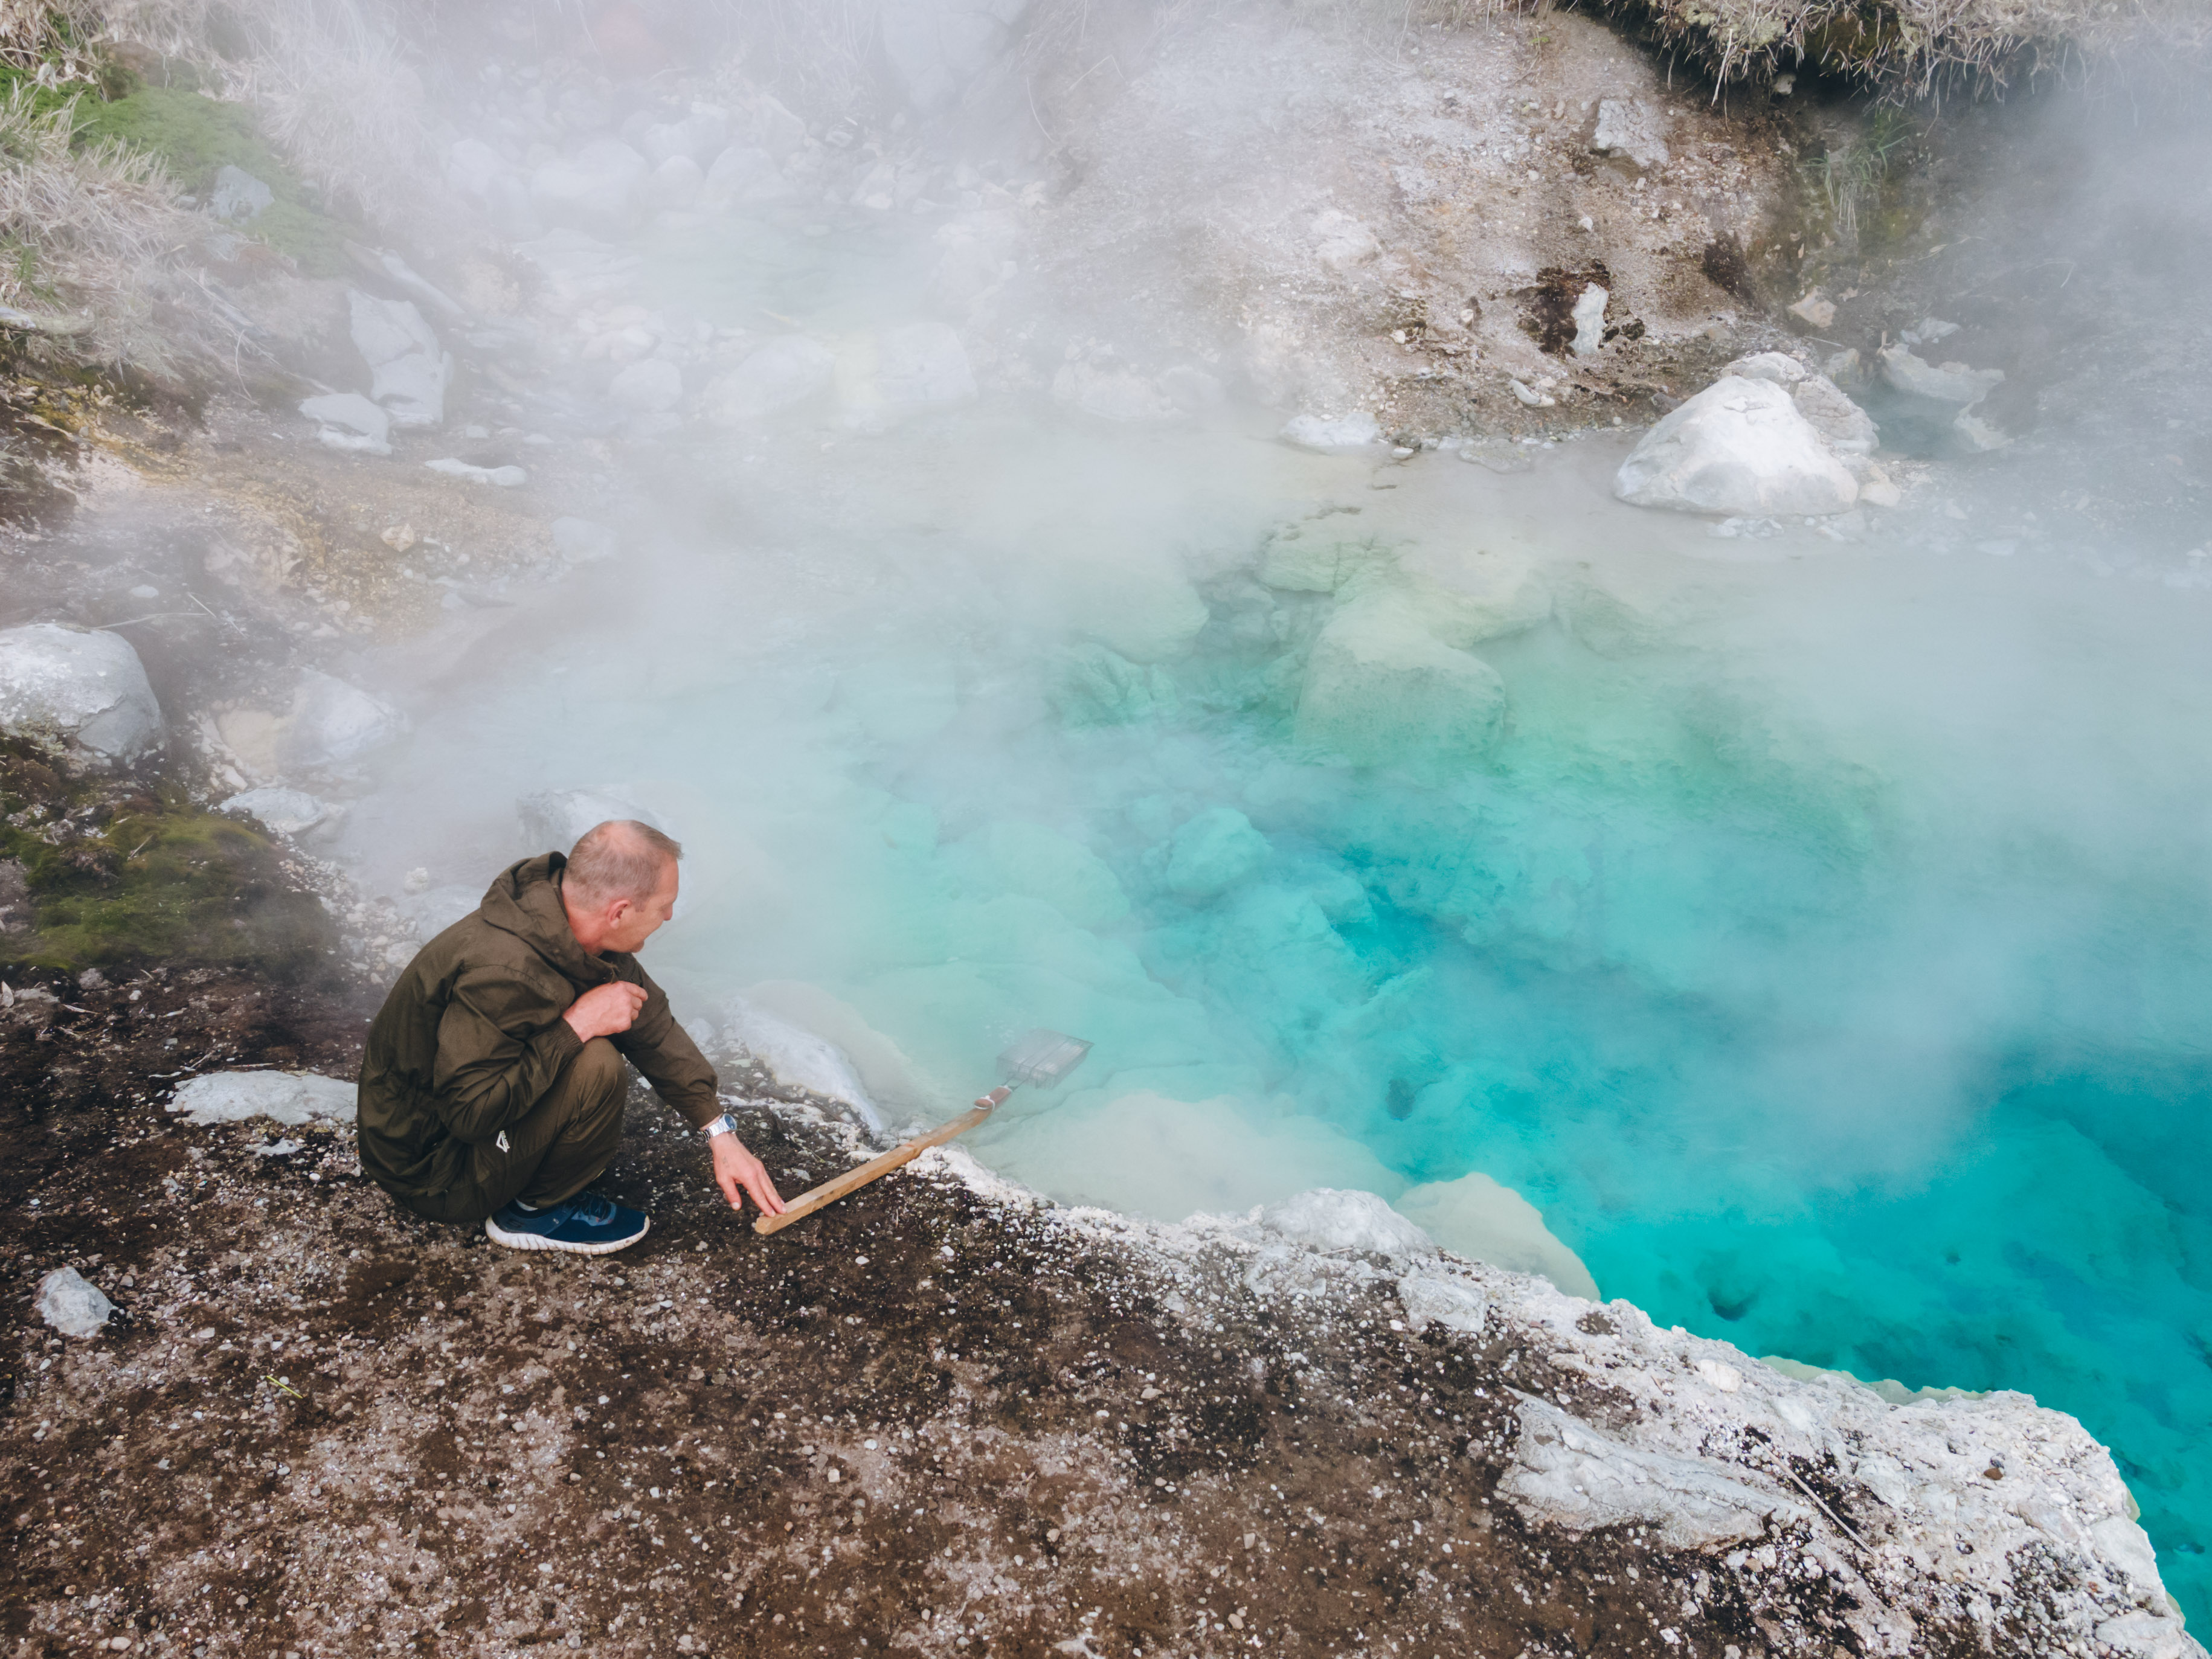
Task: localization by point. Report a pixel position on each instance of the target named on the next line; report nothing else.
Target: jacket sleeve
(664, 1051)
(498, 1054)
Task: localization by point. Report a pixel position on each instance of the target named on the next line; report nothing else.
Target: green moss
(149, 878)
(196, 138)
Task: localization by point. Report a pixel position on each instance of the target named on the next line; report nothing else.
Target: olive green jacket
(472, 1036)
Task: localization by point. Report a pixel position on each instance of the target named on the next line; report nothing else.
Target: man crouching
(493, 1086)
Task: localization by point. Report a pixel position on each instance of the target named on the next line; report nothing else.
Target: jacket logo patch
(501, 1142)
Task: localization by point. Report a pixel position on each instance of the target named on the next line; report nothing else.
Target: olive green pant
(561, 1146)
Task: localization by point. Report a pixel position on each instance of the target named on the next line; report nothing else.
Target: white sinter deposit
(1918, 1517)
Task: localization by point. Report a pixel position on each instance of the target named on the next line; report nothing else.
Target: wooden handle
(853, 1180)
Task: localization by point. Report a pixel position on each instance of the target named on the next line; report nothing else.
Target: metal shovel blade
(1037, 1059)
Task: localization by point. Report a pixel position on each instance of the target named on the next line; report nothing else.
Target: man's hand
(605, 1009)
(738, 1172)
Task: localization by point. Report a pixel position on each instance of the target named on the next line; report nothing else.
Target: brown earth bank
(932, 1418)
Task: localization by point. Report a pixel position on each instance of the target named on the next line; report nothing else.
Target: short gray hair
(621, 859)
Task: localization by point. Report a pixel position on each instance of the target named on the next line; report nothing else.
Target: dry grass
(86, 236)
(1922, 44)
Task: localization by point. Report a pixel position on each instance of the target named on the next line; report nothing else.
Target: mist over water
(1819, 944)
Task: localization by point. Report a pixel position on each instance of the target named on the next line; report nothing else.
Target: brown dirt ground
(925, 1419)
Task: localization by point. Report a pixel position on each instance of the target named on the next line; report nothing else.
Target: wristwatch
(724, 1125)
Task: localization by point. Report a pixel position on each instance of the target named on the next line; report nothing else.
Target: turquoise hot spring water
(1817, 938)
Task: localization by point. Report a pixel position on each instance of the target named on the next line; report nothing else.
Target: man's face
(642, 918)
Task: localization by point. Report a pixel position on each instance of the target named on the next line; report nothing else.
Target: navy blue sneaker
(586, 1224)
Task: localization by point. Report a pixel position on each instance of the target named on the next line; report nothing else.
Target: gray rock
(238, 196)
(937, 48)
(1948, 383)
(649, 387)
(332, 724)
(782, 374)
(1845, 427)
(600, 189)
(1338, 434)
(72, 1305)
(1590, 320)
(1741, 447)
(554, 819)
(349, 422)
(743, 175)
(1631, 128)
(439, 908)
(287, 1098)
(583, 541)
(1570, 1474)
(501, 477)
(82, 692)
(287, 811)
(410, 369)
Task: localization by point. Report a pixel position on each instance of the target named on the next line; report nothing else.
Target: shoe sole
(499, 1235)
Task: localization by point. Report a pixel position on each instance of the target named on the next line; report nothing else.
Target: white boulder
(348, 420)
(287, 1098)
(1741, 447)
(1843, 425)
(500, 477)
(287, 811)
(83, 692)
(72, 1304)
(410, 369)
(782, 374)
(554, 820)
(332, 723)
(1948, 383)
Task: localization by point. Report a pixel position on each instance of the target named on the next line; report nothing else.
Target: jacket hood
(524, 900)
